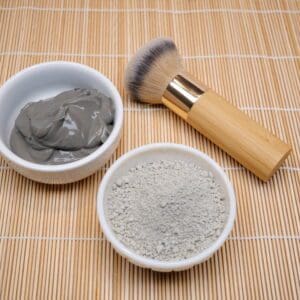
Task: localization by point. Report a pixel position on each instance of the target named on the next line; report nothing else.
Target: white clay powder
(167, 210)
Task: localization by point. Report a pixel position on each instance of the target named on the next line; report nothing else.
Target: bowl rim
(20, 162)
(152, 263)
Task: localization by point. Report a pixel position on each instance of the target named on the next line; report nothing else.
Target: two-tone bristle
(151, 69)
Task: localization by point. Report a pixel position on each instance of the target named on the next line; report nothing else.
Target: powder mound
(167, 210)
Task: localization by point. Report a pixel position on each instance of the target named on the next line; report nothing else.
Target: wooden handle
(242, 138)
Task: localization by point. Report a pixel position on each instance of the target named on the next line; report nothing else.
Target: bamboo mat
(51, 245)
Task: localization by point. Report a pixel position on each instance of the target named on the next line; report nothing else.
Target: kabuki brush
(156, 75)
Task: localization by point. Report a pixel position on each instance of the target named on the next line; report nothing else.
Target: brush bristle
(151, 69)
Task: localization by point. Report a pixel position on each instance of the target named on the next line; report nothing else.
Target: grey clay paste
(64, 128)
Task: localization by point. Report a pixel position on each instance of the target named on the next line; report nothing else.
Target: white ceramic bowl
(47, 80)
(155, 152)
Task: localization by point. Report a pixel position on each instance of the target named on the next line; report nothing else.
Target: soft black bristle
(146, 62)
(150, 69)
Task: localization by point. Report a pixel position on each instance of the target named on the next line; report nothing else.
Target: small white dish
(47, 80)
(154, 152)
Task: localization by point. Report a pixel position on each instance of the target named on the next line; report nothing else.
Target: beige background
(51, 245)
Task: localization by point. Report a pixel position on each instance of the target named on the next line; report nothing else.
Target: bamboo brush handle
(242, 138)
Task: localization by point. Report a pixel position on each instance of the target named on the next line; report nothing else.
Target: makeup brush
(156, 75)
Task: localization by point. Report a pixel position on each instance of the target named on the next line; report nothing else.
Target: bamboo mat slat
(51, 245)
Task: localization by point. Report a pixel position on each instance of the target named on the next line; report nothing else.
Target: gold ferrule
(181, 93)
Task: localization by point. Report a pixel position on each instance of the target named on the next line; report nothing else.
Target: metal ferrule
(182, 92)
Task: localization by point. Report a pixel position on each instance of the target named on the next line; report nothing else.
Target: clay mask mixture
(167, 210)
(64, 128)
